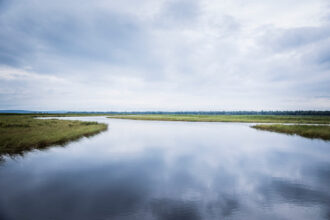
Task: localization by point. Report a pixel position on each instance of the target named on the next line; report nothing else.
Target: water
(170, 170)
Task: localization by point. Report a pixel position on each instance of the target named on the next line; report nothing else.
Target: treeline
(319, 113)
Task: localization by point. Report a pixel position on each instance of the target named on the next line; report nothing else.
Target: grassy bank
(22, 133)
(232, 118)
(309, 131)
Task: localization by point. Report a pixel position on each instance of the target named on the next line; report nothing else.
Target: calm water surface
(170, 170)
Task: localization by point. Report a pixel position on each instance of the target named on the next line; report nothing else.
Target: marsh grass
(232, 118)
(308, 131)
(22, 133)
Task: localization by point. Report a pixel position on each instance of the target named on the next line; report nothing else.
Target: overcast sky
(165, 54)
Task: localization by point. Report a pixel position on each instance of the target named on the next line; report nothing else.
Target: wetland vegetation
(309, 131)
(233, 118)
(20, 133)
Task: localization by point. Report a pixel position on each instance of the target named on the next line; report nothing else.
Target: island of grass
(308, 131)
(23, 133)
(232, 118)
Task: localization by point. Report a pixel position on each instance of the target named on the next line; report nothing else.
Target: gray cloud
(293, 38)
(164, 55)
(103, 36)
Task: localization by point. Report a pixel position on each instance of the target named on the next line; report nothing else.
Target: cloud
(295, 38)
(168, 55)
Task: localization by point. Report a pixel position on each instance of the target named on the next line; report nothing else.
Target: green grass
(232, 118)
(22, 133)
(308, 131)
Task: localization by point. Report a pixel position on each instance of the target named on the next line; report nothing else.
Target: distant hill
(320, 113)
(31, 112)
(16, 111)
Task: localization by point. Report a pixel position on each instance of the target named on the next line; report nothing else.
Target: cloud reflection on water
(170, 170)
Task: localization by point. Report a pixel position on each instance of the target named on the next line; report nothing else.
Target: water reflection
(171, 170)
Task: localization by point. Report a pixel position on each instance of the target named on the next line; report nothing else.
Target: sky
(172, 55)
